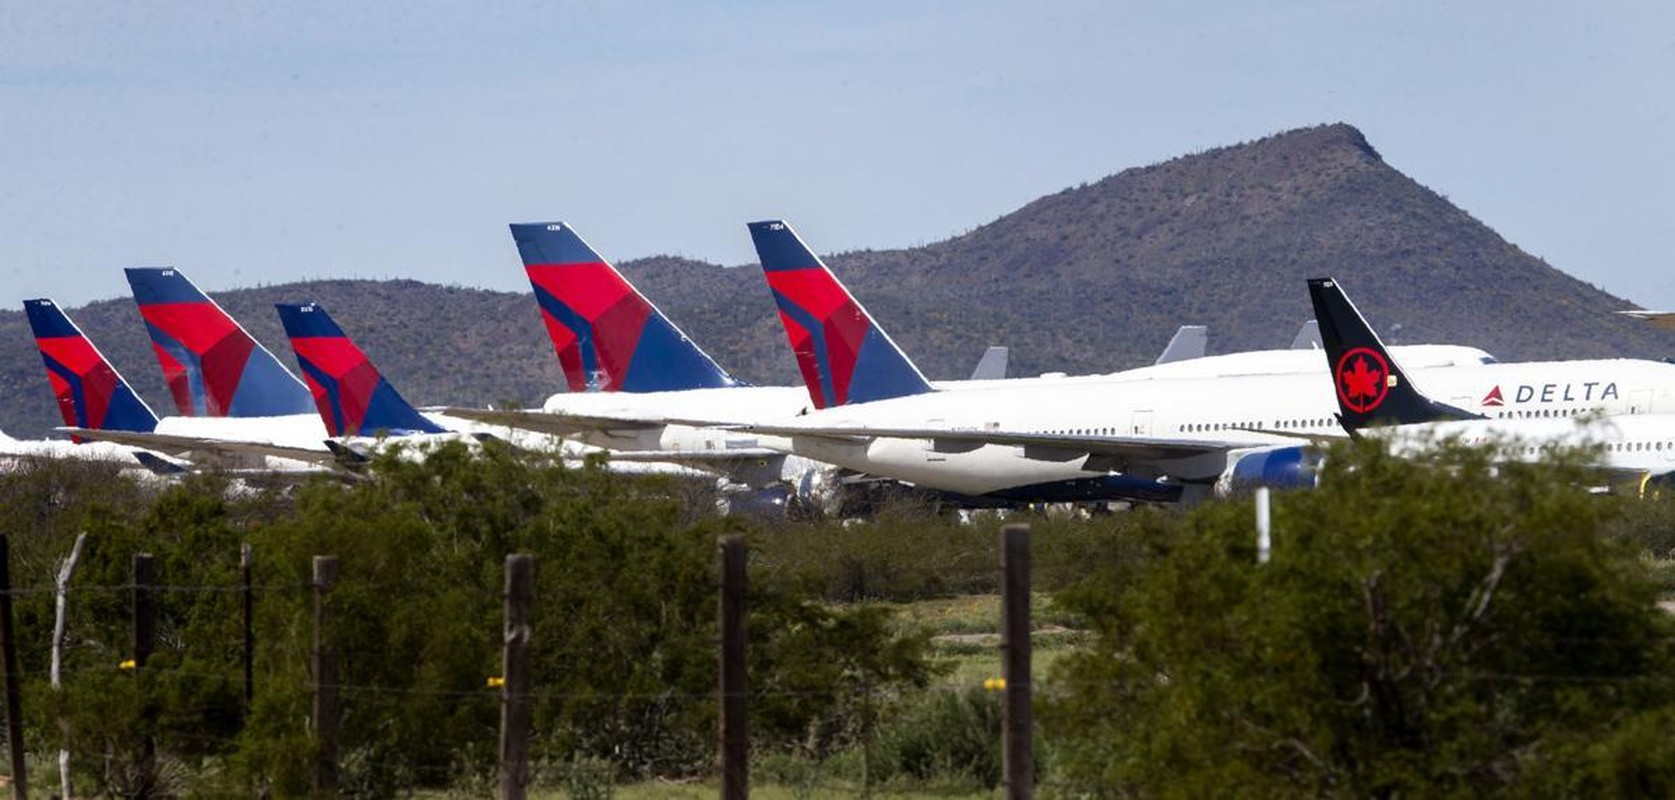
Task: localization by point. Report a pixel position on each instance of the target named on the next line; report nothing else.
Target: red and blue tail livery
(843, 354)
(607, 335)
(213, 367)
(91, 394)
(352, 396)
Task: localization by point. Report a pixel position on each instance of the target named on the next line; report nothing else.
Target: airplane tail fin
(1189, 342)
(1308, 337)
(845, 357)
(353, 398)
(91, 393)
(1371, 387)
(992, 366)
(601, 325)
(214, 368)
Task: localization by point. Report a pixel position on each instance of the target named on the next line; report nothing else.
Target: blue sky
(262, 143)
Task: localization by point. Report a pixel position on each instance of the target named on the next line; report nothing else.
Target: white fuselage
(1207, 409)
(26, 449)
(1633, 443)
(745, 405)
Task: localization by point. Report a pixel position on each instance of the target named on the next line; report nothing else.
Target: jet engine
(1290, 467)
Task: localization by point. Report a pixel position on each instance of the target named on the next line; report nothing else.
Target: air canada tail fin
(607, 335)
(1371, 387)
(91, 394)
(352, 396)
(845, 357)
(1189, 342)
(214, 368)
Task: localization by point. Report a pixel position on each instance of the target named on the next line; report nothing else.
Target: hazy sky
(267, 142)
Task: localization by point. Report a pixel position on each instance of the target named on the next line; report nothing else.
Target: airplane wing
(1107, 449)
(174, 443)
(1659, 319)
(550, 423)
(694, 456)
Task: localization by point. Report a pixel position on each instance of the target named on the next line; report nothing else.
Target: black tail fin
(1371, 387)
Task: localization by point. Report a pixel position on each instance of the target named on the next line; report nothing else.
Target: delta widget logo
(1362, 380)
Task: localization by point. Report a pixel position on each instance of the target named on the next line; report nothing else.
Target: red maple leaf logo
(1361, 380)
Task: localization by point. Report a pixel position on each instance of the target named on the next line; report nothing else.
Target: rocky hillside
(1091, 278)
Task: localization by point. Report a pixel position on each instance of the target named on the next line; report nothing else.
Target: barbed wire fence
(145, 772)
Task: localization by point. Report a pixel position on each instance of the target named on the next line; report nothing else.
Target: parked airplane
(629, 421)
(352, 397)
(238, 406)
(609, 337)
(584, 301)
(1148, 439)
(1376, 396)
(363, 411)
(89, 391)
(213, 366)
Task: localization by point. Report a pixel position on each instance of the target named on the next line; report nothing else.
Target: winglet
(607, 335)
(90, 392)
(845, 357)
(352, 396)
(1371, 387)
(1189, 342)
(213, 367)
(157, 464)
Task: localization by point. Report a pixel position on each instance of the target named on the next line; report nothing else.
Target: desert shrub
(1444, 624)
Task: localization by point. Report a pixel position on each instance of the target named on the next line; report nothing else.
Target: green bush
(1437, 625)
(950, 737)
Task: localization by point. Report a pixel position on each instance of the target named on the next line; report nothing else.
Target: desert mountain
(1089, 279)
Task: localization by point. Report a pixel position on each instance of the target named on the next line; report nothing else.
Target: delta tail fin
(1371, 387)
(843, 354)
(91, 393)
(353, 398)
(213, 367)
(607, 335)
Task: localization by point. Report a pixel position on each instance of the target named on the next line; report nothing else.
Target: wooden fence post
(734, 735)
(515, 710)
(1017, 719)
(14, 696)
(325, 684)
